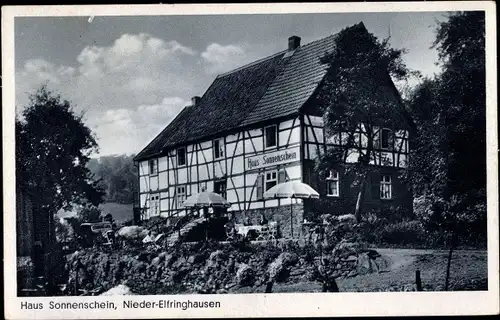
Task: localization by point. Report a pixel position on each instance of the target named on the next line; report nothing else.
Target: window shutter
(282, 176)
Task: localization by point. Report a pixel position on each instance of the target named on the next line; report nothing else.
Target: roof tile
(270, 88)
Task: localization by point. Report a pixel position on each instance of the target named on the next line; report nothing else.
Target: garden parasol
(291, 189)
(206, 199)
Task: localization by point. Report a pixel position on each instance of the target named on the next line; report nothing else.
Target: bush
(429, 211)
(269, 253)
(384, 228)
(90, 213)
(463, 216)
(405, 232)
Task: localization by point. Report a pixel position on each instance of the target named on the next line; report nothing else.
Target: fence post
(446, 283)
(418, 280)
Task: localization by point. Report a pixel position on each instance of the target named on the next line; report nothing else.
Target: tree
(53, 146)
(358, 96)
(448, 160)
(117, 175)
(90, 214)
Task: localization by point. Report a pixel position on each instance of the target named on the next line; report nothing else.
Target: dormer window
(270, 137)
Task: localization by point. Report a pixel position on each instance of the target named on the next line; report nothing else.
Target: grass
(469, 271)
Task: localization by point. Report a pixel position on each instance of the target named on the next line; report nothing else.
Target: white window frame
(180, 197)
(275, 137)
(385, 187)
(334, 178)
(185, 157)
(273, 177)
(389, 146)
(154, 206)
(221, 148)
(155, 162)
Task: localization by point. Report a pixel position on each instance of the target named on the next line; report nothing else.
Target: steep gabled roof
(291, 89)
(271, 88)
(225, 104)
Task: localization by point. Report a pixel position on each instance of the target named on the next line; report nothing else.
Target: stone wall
(280, 214)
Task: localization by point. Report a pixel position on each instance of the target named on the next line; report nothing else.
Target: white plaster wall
(196, 162)
(162, 180)
(153, 182)
(162, 163)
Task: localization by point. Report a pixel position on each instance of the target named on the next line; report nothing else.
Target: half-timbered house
(254, 127)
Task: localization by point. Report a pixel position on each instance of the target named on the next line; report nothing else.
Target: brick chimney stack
(195, 100)
(293, 43)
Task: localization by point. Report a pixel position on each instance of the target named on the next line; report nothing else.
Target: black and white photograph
(213, 155)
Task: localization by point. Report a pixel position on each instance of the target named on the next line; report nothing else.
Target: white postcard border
(257, 305)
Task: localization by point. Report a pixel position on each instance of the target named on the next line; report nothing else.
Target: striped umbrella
(291, 189)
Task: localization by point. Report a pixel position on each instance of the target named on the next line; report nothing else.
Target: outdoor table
(243, 230)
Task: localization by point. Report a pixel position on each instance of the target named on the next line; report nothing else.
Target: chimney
(293, 43)
(195, 100)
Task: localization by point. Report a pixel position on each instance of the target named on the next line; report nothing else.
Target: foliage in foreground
(447, 169)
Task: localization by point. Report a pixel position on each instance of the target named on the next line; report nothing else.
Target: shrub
(428, 210)
(404, 232)
(90, 213)
(463, 217)
(269, 253)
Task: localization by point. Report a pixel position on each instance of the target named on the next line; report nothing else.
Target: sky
(131, 75)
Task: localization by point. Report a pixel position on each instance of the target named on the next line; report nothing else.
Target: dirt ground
(469, 271)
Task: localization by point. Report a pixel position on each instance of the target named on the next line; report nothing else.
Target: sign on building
(272, 158)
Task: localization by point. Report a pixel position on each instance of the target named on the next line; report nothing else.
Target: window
(270, 135)
(385, 187)
(153, 167)
(181, 156)
(270, 179)
(220, 188)
(218, 148)
(386, 139)
(155, 205)
(181, 195)
(333, 184)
